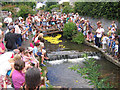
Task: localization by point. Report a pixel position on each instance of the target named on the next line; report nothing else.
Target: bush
(107, 10)
(70, 29)
(25, 10)
(79, 38)
(68, 9)
(54, 6)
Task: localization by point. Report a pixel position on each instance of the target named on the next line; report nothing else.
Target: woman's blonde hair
(16, 57)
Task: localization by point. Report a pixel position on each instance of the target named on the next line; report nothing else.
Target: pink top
(2, 46)
(89, 36)
(18, 79)
(31, 45)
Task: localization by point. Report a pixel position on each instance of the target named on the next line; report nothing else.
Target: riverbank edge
(108, 57)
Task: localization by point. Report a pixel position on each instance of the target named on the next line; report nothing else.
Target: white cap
(30, 49)
(82, 19)
(20, 18)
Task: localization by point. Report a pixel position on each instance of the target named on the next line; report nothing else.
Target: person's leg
(113, 52)
(97, 41)
(42, 59)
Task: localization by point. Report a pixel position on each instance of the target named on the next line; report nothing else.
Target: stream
(66, 54)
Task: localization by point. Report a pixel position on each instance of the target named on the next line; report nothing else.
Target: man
(11, 38)
(18, 31)
(32, 79)
(8, 20)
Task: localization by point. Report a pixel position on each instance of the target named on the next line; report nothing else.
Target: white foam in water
(76, 60)
(56, 61)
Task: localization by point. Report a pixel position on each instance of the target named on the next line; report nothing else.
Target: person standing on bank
(11, 38)
(99, 33)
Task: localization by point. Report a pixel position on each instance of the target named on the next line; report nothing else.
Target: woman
(18, 72)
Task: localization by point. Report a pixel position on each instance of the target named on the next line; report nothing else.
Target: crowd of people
(22, 66)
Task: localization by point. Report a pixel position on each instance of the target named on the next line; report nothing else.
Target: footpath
(108, 57)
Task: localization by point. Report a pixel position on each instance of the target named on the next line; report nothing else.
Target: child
(113, 46)
(109, 32)
(116, 49)
(104, 42)
(36, 53)
(26, 58)
(42, 47)
(109, 44)
(85, 28)
(34, 60)
(89, 36)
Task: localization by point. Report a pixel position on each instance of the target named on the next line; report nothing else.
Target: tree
(107, 10)
(48, 4)
(25, 10)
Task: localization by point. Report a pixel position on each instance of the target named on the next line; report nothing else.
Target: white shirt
(99, 32)
(113, 29)
(17, 29)
(8, 20)
(116, 48)
(36, 18)
(36, 39)
(0, 32)
(104, 40)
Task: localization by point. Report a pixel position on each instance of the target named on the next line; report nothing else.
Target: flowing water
(66, 54)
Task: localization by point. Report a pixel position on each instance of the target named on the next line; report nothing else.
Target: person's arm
(36, 54)
(11, 72)
(111, 44)
(25, 31)
(4, 82)
(1, 50)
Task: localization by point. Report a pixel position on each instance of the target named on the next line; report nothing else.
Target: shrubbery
(25, 10)
(68, 9)
(79, 38)
(70, 30)
(107, 10)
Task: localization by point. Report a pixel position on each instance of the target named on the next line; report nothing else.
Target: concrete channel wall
(108, 57)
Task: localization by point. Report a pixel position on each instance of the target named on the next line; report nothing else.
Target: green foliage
(91, 72)
(70, 29)
(25, 10)
(79, 38)
(54, 6)
(50, 4)
(118, 31)
(31, 4)
(9, 8)
(67, 9)
(107, 10)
